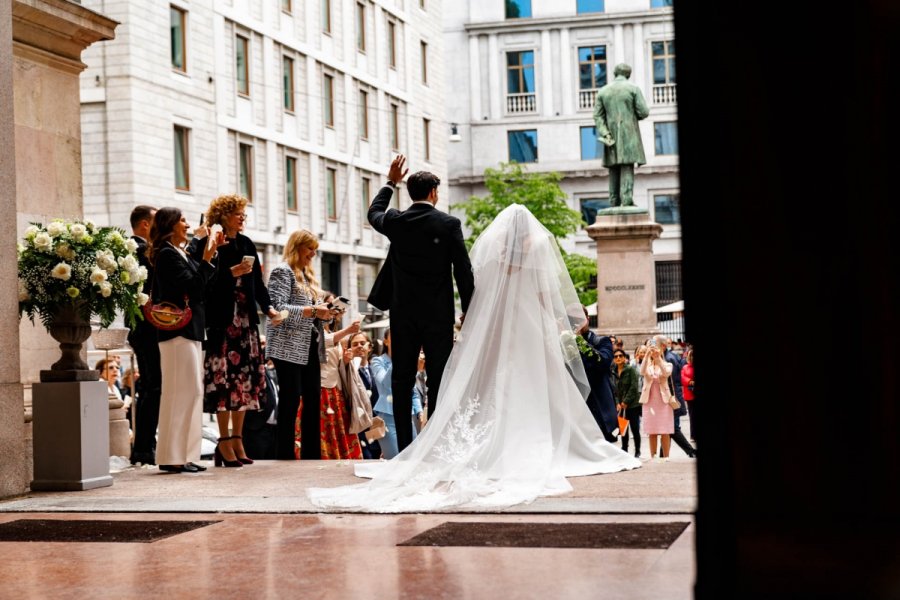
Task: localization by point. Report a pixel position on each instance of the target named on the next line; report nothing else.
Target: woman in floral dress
(234, 371)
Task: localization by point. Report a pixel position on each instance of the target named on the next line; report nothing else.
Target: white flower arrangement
(71, 263)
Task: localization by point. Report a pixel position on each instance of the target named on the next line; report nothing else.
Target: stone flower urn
(68, 327)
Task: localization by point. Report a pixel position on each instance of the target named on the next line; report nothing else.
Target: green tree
(541, 195)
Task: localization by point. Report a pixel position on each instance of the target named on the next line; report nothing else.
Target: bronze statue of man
(618, 108)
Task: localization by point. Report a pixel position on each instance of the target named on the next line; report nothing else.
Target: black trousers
(634, 426)
(149, 389)
(679, 438)
(295, 381)
(407, 337)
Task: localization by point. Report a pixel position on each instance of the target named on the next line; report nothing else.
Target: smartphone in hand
(249, 259)
(340, 303)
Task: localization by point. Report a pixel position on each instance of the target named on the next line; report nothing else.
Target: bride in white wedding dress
(512, 422)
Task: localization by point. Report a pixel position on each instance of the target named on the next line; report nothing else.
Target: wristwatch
(391, 184)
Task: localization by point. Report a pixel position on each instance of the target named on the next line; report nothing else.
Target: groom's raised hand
(396, 172)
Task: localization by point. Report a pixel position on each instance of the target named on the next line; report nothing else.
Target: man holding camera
(416, 284)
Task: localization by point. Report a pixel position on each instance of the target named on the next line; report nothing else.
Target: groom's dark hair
(420, 184)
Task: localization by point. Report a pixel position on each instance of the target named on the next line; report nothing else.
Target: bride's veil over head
(516, 254)
(511, 421)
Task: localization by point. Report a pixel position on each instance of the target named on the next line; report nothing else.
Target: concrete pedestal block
(70, 436)
(626, 273)
(119, 434)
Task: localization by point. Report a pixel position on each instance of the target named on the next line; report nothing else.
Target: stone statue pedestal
(626, 274)
(70, 436)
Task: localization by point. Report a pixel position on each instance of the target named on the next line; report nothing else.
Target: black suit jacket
(143, 329)
(427, 252)
(177, 277)
(220, 295)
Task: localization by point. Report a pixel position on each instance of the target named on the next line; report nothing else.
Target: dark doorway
(794, 306)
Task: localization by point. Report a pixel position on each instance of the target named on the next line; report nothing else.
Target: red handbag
(167, 316)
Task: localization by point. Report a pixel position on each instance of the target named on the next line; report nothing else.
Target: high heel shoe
(244, 459)
(220, 460)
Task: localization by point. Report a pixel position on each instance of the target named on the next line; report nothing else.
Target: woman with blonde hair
(234, 371)
(297, 346)
(657, 415)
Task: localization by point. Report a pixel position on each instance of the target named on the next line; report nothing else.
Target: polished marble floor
(333, 556)
(272, 543)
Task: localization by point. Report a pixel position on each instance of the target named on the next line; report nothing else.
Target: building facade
(298, 105)
(525, 76)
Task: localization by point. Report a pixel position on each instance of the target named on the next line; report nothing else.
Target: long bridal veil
(511, 421)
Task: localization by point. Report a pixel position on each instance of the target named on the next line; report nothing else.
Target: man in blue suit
(597, 363)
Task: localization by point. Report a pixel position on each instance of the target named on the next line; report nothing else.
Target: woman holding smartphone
(234, 370)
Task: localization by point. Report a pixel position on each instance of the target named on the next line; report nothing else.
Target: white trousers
(181, 402)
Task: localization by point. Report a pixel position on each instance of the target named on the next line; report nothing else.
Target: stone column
(13, 472)
(40, 177)
(626, 275)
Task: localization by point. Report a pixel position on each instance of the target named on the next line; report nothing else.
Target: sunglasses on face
(618, 356)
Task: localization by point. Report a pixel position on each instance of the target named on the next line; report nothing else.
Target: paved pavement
(269, 542)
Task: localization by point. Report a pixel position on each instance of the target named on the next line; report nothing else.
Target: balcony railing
(521, 103)
(664, 94)
(586, 99)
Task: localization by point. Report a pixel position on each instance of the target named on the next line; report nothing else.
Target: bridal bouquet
(75, 264)
(569, 345)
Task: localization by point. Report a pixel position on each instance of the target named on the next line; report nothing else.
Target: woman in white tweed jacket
(297, 346)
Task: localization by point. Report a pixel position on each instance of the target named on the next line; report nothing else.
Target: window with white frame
(392, 44)
(328, 100)
(331, 193)
(325, 15)
(663, 61)
(365, 191)
(290, 184)
(520, 84)
(363, 114)
(245, 171)
(665, 136)
(178, 38)
(591, 147)
(395, 127)
(590, 206)
(182, 158)
(523, 145)
(287, 78)
(360, 26)
(424, 48)
(589, 6)
(518, 9)
(242, 64)
(666, 209)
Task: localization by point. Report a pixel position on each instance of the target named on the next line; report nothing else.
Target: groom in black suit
(416, 283)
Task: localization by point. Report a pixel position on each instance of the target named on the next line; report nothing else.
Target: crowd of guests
(294, 384)
(303, 390)
(652, 390)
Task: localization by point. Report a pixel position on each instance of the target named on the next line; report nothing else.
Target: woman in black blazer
(179, 279)
(234, 379)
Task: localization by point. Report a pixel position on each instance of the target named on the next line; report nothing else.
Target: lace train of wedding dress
(511, 421)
